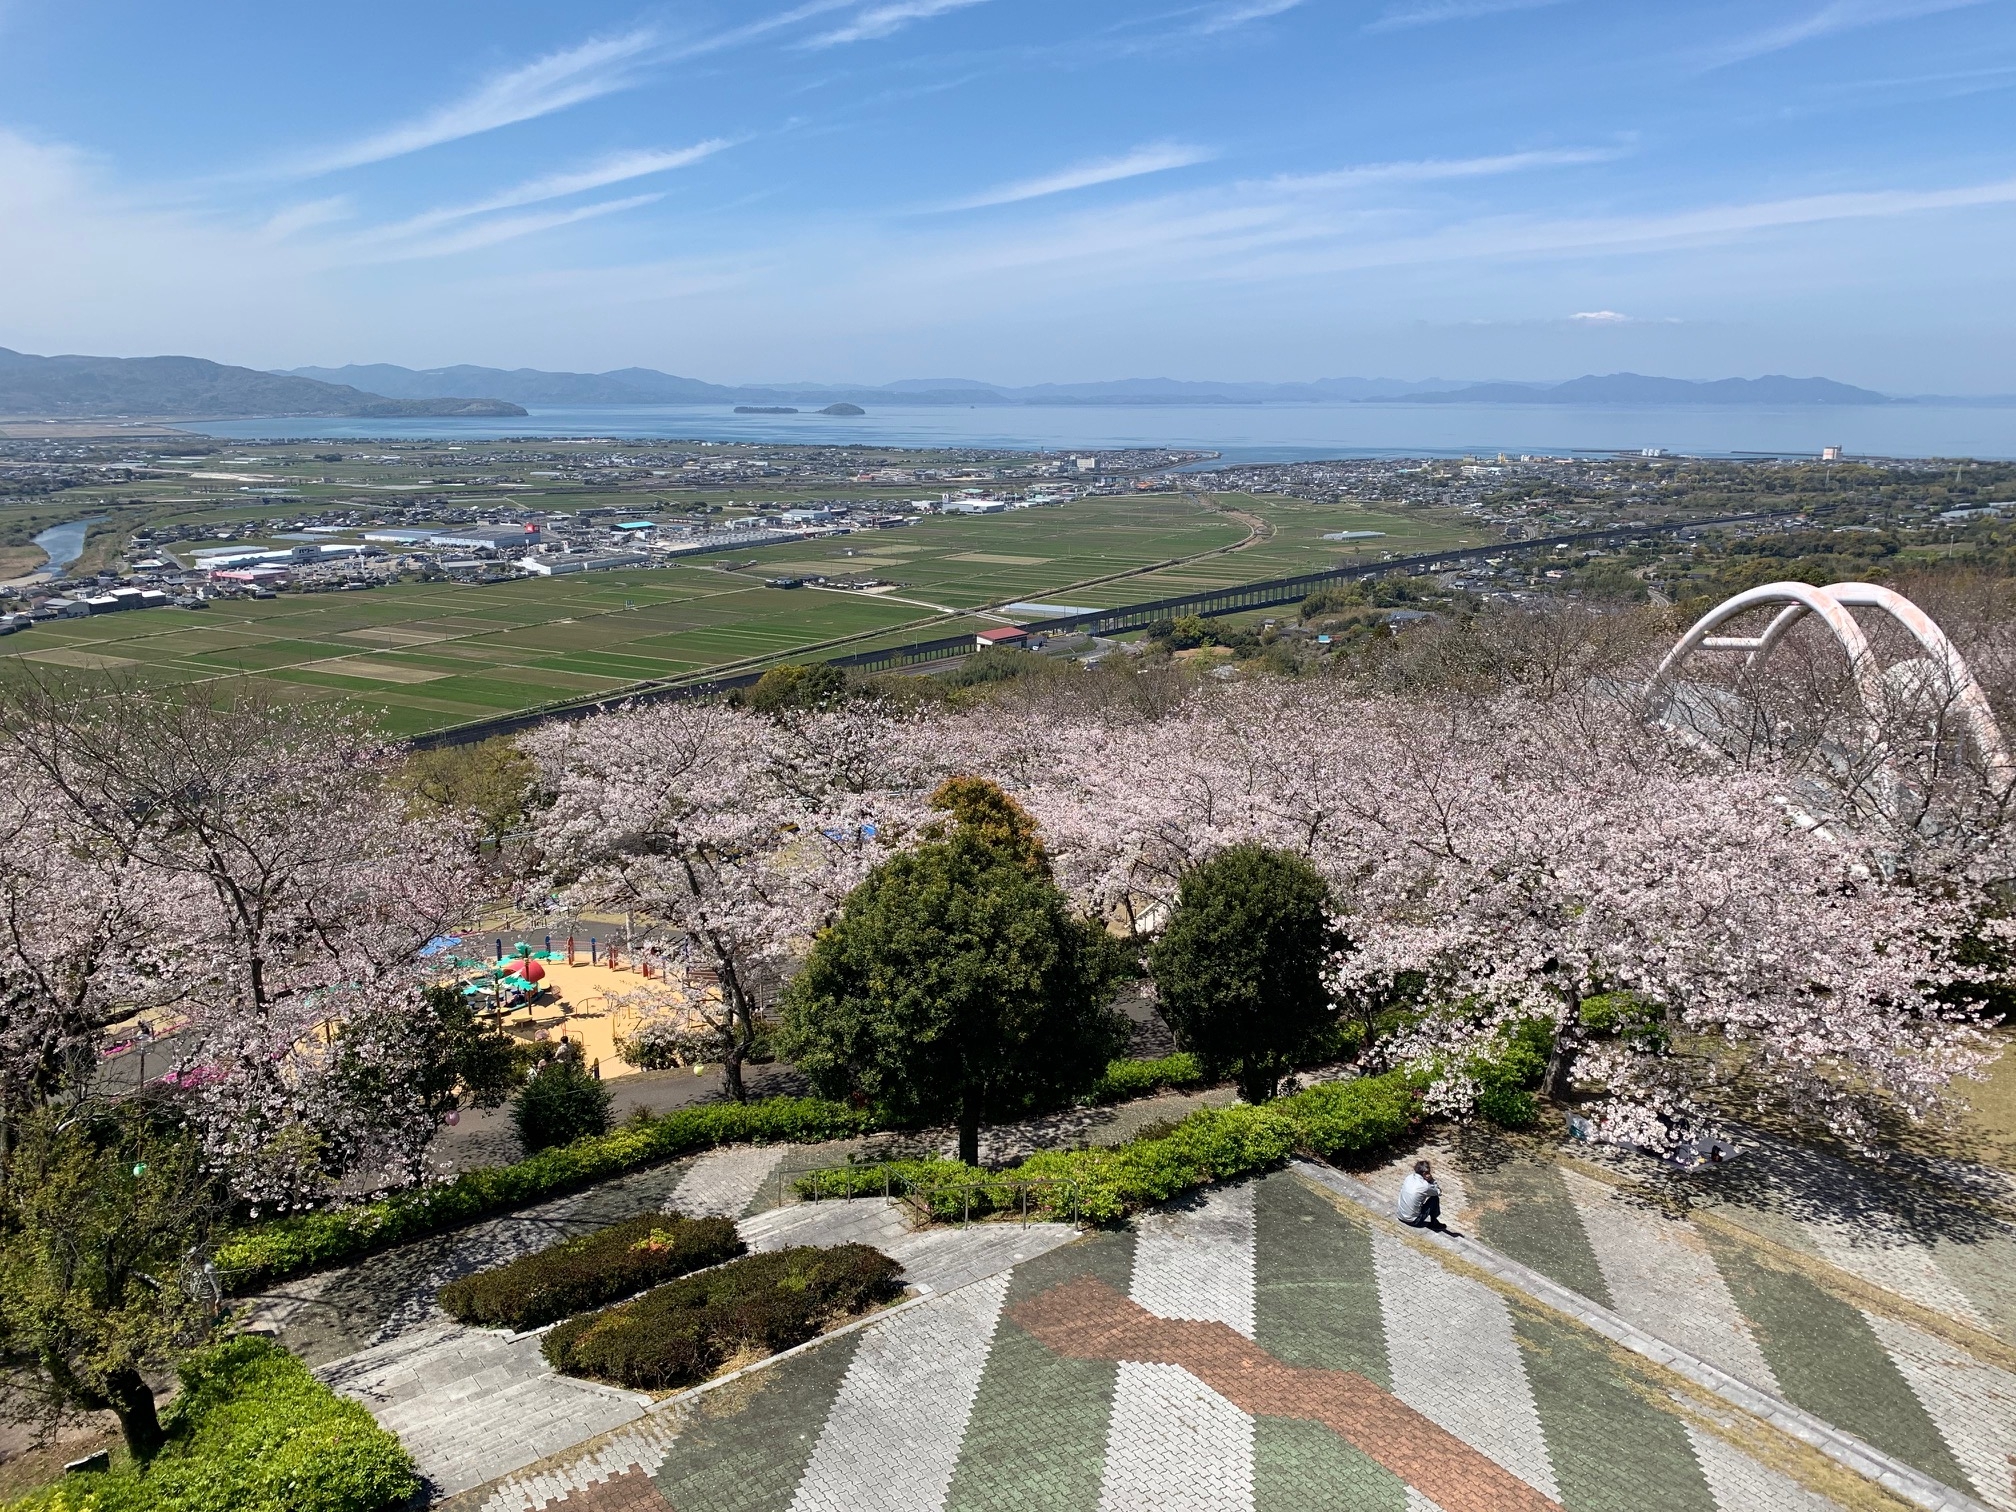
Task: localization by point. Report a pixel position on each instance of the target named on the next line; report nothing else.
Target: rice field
(424, 656)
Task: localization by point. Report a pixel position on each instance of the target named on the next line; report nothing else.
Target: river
(64, 543)
(1244, 433)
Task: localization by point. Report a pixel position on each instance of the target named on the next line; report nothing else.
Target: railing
(943, 1198)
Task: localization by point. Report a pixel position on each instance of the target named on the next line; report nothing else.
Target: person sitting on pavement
(1420, 1203)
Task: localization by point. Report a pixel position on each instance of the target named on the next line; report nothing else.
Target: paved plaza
(1799, 1336)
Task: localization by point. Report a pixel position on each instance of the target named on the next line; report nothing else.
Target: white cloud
(296, 218)
(1601, 317)
(611, 170)
(1427, 170)
(880, 20)
(555, 82)
(1225, 17)
(1411, 13)
(509, 228)
(1835, 16)
(1157, 158)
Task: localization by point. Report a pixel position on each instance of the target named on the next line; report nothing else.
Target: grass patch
(251, 1431)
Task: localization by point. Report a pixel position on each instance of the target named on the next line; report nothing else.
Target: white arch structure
(1834, 605)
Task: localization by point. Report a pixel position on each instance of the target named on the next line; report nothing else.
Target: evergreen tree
(1239, 971)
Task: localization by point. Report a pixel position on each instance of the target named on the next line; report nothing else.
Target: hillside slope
(194, 388)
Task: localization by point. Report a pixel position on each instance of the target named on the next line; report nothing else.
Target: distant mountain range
(648, 386)
(1635, 388)
(190, 387)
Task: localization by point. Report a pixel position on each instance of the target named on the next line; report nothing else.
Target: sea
(1240, 432)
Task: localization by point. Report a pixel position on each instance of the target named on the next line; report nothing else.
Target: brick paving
(1270, 1345)
(1264, 1345)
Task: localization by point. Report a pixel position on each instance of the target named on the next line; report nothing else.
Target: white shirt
(1414, 1194)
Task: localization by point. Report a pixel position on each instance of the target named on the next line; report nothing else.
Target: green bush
(560, 1104)
(251, 1431)
(1349, 1119)
(1509, 1070)
(258, 1255)
(1127, 1079)
(1625, 1015)
(682, 1332)
(577, 1274)
(1335, 1120)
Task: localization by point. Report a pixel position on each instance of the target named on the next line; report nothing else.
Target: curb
(1843, 1448)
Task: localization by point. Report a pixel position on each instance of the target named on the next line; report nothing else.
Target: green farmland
(427, 655)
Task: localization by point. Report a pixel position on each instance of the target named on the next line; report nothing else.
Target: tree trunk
(132, 1399)
(969, 1132)
(731, 1070)
(1560, 1074)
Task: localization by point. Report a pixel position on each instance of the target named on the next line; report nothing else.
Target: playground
(591, 991)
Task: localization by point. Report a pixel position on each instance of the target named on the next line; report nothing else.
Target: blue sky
(1021, 190)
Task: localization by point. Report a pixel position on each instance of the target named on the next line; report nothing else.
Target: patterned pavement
(1266, 1346)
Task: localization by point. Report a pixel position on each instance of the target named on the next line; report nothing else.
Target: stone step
(877, 1221)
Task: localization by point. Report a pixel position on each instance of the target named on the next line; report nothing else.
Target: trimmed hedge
(284, 1247)
(1336, 1119)
(251, 1431)
(1125, 1080)
(577, 1274)
(681, 1333)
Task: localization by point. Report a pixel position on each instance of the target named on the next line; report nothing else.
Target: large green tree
(1239, 972)
(957, 985)
(105, 1216)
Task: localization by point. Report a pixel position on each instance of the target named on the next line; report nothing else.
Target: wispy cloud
(1835, 16)
(1156, 158)
(1428, 12)
(880, 20)
(1427, 170)
(611, 170)
(507, 228)
(1601, 317)
(1224, 17)
(561, 79)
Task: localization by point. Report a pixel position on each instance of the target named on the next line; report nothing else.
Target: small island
(843, 409)
(764, 409)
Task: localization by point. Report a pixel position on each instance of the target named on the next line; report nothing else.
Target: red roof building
(1006, 635)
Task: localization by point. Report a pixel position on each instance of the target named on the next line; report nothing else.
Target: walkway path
(1269, 1346)
(451, 1392)
(1889, 1314)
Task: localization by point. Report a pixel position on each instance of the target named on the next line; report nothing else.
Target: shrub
(682, 1332)
(251, 1431)
(577, 1274)
(1343, 1120)
(1127, 1079)
(560, 1104)
(1625, 1015)
(282, 1247)
(1337, 1119)
(1507, 1073)
(658, 1045)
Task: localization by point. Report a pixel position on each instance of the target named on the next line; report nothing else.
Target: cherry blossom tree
(265, 881)
(739, 833)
